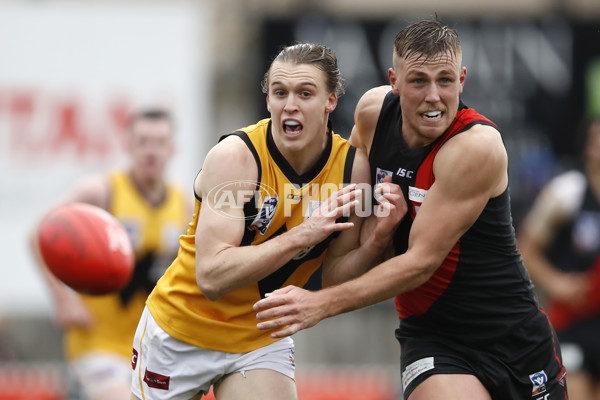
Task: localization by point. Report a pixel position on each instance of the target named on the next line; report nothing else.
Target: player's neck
(152, 190)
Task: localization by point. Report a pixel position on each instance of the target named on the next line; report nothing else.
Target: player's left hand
(391, 209)
(291, 308)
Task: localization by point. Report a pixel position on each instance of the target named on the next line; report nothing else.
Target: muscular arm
(451, 206)
(222, 265)
(356, 250)
(366, 115)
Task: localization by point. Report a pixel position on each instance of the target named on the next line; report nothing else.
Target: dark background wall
(527, 75)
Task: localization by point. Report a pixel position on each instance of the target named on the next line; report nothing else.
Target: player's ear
(331, 102)
(393, 79)
(462, 77)
(268, 104)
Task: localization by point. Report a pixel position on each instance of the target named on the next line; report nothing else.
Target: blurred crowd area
(533, 68)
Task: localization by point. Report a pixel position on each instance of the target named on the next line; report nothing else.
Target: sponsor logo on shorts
(156, 381)
(292, 358)
(415, 369)
(538, 380)
(134, 358)
(561, 377)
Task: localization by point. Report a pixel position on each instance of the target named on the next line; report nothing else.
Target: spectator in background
(559, 240)
(99, 329)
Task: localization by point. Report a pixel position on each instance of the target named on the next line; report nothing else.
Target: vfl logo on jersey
(538, 380)
(382, 173)
(265, 215)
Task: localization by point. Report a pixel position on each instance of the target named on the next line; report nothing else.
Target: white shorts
(98, 372)
(167, 368)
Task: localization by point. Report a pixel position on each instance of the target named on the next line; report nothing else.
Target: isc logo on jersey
(265, 215)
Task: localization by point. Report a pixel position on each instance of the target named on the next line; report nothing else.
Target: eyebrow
(301, 84)
(445, 71)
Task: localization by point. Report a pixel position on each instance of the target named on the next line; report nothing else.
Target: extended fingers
(290, 329)
(269, 302)
(385, 188)
(342, 202)
(282, 290)
(272, 312)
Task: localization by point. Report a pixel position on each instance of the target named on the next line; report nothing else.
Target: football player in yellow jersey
(99, 329)
(269, 205)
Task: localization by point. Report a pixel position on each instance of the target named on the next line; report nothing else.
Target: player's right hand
(322, 222)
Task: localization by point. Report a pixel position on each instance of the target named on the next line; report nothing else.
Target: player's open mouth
(432, 114)
(292, 127)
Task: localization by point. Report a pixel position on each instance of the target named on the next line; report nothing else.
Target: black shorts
(514, 368)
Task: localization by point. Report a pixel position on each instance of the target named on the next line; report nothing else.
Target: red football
(87, 248)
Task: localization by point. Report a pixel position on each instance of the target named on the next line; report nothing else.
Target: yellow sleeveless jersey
(284, 199)
(153, 230)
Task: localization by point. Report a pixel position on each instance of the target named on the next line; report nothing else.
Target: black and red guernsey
(482, 289)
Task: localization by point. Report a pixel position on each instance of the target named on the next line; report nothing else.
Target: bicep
(441, 220)
(453, 203)
(218, 229)
(227, 181)
(366, 115)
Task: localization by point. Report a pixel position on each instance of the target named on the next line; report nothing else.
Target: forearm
(381, 283)
(291, 309)
(235, 267)
(354, 263)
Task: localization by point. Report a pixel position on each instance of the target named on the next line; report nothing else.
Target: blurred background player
(560, 242)
(99, 329)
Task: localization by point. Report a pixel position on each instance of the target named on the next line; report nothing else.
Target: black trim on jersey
(287, 169)
(276, 280)
(349, 164)
(250, 206)
(476, 122)
(196, 195)
(244, 136)
(249, 209)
